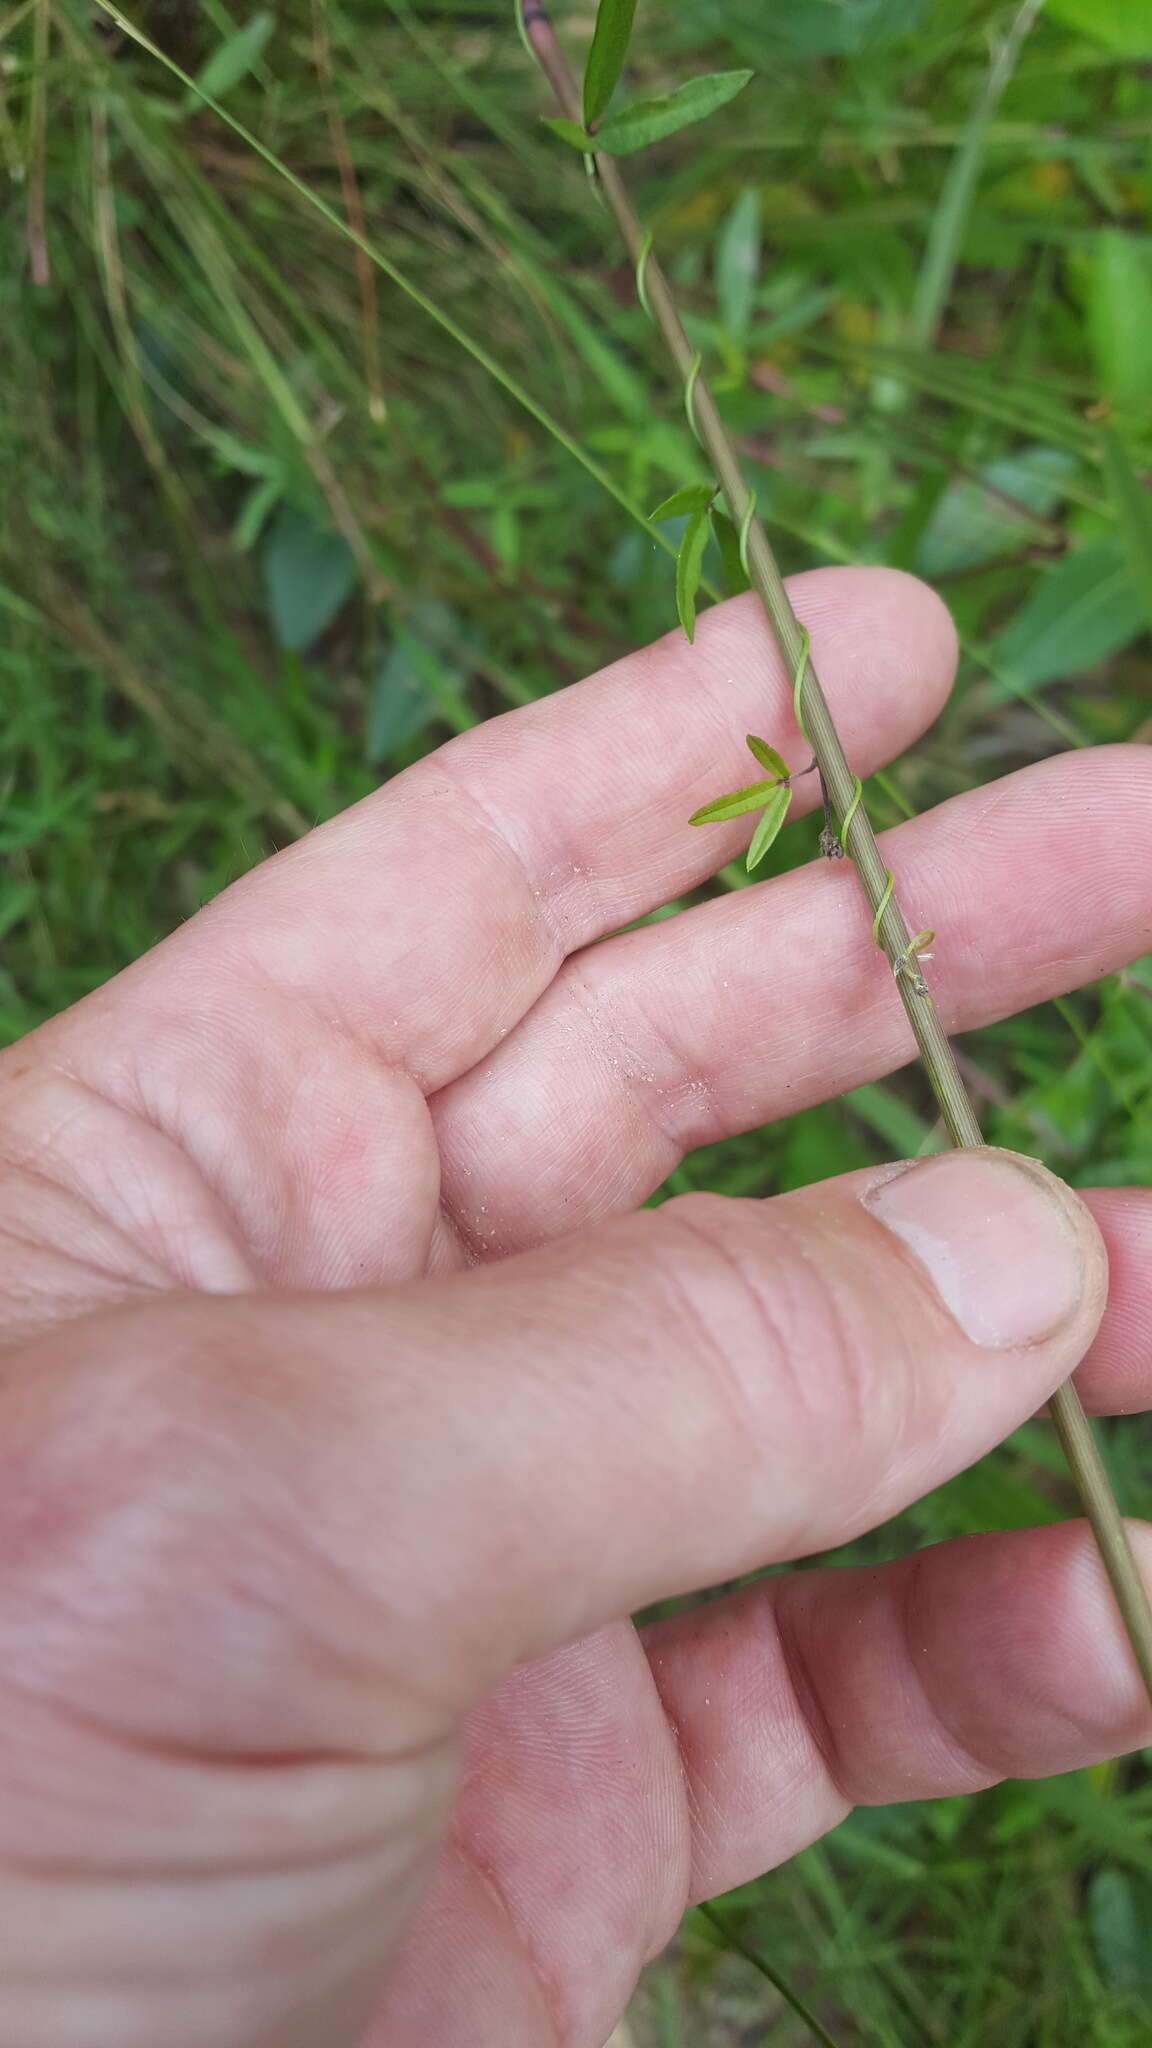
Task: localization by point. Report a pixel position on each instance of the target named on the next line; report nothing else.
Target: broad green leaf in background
(606, 56)
(399, 704)
(691, 498)
(1132, 505)
(1082, 610)
(1120, 316)
(1120, 1916)
(644, 121)
(1121, 24)
(234, 58)
(422, 676)
(738, 263)
(775, 812)
(309, 573)
(826, 27)
(689, 564)
(975, 519)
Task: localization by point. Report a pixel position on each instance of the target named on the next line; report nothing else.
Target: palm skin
(281, 1778)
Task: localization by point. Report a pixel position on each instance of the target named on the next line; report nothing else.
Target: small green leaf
(734, 805)
(1133, 507)
(1120, 1916)
(606, 56)
(691, 498)
(644, 121)
(1120, 317)
(234, 58)
(309, 574)
(767, 756)
(689, 565)
(570, 131)
(775, 812)
(728, 542)
(738, 263)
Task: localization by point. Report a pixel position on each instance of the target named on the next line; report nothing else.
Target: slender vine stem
(902, 947)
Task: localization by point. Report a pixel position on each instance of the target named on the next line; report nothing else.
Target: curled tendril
(690, 390)
(642, 271)
(850, 813)
(802, 661)
(746, 518)
(885, 900)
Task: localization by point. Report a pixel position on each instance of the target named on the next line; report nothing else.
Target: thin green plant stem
(890, 930)
(766, 1969)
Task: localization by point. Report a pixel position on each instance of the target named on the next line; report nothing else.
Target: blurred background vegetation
(271, 529)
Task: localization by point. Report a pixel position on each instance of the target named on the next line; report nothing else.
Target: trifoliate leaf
(644, 121)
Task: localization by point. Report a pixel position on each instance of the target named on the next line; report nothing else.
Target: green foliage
(1120, 1914)
(641, 122)
(1121, 313)
(1123, 25)
(690, 567)
(234, 58)
(606, 56)
(771, 821)
(690, 498)
(201, 359)
(309, 573)
(1085, 609)
(738, 247)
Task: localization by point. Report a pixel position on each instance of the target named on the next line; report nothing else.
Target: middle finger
(766, 1002)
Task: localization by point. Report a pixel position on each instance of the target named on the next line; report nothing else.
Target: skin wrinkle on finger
(779, 996)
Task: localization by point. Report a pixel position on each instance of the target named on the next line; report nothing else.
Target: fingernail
(996, 1239)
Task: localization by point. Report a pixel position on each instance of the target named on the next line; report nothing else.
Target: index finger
(480, 868)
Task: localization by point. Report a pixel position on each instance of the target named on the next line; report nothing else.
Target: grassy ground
(271, 529)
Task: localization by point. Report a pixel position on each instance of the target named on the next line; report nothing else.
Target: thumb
(442, 1479)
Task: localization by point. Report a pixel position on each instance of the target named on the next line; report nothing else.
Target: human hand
(348, 1409)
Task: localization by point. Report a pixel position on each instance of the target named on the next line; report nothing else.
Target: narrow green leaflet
(235, 57)
(767, 756)
(570, 131)
(689, 566)
(644, 121)
(606, 56)
(735, 804)
(775, 812)
(691, 498)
